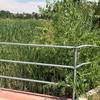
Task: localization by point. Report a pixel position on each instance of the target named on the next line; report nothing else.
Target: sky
(20, 6)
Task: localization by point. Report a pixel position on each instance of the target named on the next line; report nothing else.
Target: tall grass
(31, 31)
(41, 32)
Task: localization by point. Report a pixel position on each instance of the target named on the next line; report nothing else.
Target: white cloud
(20, 7)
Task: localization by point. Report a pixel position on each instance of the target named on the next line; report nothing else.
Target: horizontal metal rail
(83, 46)
(74, 67)
(37, 45)
(35, 63)
(80, 65)
(27, 80)
(45, 45)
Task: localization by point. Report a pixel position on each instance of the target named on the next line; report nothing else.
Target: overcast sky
(20, 6)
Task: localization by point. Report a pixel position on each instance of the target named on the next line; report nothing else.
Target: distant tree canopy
(7, 14)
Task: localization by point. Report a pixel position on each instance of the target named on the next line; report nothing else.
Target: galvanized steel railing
(74, 67)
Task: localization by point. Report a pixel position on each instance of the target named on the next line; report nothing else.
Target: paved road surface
(16, 95)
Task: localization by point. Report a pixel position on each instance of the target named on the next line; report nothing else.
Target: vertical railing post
(74, 73)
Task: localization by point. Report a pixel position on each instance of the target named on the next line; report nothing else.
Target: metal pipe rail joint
(74, 67)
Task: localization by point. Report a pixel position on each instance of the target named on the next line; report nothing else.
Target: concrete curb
(92, 93)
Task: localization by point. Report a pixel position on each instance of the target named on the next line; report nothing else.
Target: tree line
(8, 14)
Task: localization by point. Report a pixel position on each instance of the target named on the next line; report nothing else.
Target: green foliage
(98, 9)
(31, 31)
(73, 25)
(70, 24)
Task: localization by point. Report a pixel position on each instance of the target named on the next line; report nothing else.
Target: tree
(76, 1)
(97, 14)
(72, 26)
(98, 8)
(5, 14)
(69, 20)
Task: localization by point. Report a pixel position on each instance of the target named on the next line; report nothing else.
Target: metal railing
(73, 67)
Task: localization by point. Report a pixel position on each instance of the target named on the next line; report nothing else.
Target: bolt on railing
(74, 67)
